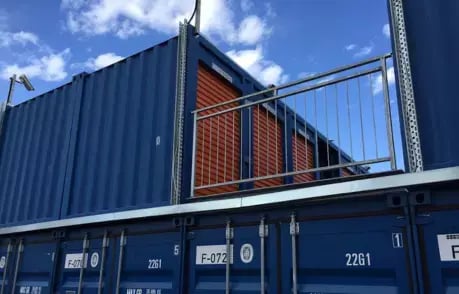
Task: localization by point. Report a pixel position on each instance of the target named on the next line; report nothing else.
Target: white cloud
(246, 5)
(364, 51)
(251, 30)
(49, 68)
(378, 82)
(101, 61)
(8, 39)
(386, 30)
(350, 47)
(254, 62)
(127, 18)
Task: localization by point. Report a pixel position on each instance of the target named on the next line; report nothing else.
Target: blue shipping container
(432, 31)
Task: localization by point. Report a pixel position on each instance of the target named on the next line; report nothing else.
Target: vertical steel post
(407, 99)
(9, 99)
(263, 233)
(5, 268)
(179, 114)
(294, 231)
(193, 156)
(18, 262)
(120, 262)
(197, 23)
(388, 114)
(83, 262)
(102, 262)
(229, 255)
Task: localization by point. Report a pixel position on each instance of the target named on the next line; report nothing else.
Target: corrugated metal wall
(215, 133)
(123, 152)
(34, 149)
(267, 147)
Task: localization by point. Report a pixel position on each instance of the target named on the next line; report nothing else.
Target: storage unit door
(33, 268)
(208, 258)
(354, 255)
(148, 264)
(439, 247)
(83, 275)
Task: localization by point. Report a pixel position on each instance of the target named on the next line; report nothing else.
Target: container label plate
(213, 254)
(448, 245)
(74, 260)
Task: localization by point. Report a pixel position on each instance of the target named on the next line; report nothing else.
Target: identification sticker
(75, 260)
(213, 254)
(448, 245)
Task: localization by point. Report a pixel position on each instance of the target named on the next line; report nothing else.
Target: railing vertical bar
(241, 138)
(375, 132)
(306, 130)
(337, 124)
(316, 136)
(210, 149)
(217, 166)
(295, 132)
(258, 140)
(388, 116)
(249, 139)
(233, 162)
(193, 157)
(285, 135)
(275, 136)
(361, 119)
(327, 137)
(349, 120)
(203, 149)
(267, 140)
(225, 140)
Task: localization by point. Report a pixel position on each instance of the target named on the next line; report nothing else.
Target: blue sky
(276, 41)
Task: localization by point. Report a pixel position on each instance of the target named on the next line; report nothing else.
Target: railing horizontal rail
(313, 170)
(299, 91)
(298, 82)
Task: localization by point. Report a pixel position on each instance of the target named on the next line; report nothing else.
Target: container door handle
(83, 262)
(263, 233)
(5, 268)
(120, 261)
(18, 261)
(102, 262)
(229, 254)
(294, 231)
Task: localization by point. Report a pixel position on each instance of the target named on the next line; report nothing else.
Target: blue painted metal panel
(438, 234)
(432, 30)
(151, 263)
(349, 256)
(33, 157)
(207, 258)
(35, 268)
(123, 152)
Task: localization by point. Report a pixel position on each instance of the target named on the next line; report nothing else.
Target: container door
(6, 263)
(439, 246)
(353, 255)
(84, 275)
(246, 271)
(148, 264)
(33, 267)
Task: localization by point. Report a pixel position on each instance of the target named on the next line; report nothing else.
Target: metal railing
(335, 123)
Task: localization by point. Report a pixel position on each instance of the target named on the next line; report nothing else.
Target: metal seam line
(5, 268)
(18, 261)
(120, 262)
(263, 230)
(294, 233)
(229, 257)
(102, 263)
(83, 262)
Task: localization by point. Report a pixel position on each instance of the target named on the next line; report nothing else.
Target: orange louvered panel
(218, 139)
(303, 158)
(267, 158)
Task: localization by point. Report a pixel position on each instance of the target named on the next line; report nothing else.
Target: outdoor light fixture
(24, 80)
